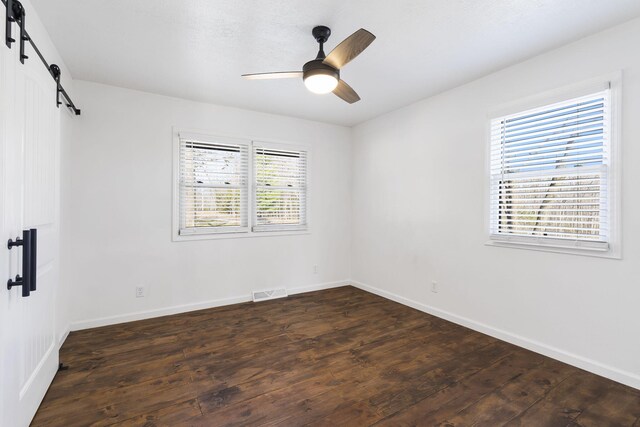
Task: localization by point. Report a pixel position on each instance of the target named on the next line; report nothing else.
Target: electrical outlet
(315, 269)
(140, 291)
(434, 287)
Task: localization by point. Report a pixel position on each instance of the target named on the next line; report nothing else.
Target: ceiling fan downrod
(321, 34)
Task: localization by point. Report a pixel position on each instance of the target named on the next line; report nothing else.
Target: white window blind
(213, 186)
(280, 201)
(549, 174)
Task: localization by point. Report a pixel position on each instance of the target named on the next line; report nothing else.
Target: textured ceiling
(197, 49)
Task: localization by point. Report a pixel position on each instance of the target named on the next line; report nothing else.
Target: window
(550, 170)
(280, 188)
(213, 186)
(213, 195)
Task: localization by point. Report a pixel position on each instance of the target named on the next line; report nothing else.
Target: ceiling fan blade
(345, 92)
(350, 47)
(276, 75)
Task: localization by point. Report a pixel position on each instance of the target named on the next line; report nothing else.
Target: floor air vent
(270, 294)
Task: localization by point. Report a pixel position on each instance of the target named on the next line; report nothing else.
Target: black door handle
(34, 258)
(28, 268)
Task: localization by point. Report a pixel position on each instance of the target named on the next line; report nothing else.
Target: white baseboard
(318, 287)
(166, 311)
(624, 377)
(63, 337)
(158, 312)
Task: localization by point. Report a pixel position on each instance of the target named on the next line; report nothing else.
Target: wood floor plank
(569, 399)
(100, 378)
(514, 397)
(328, 358)
(120, 403)
(616, 407)
(184, 413)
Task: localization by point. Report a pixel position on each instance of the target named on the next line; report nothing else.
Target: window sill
(237, 235)
(608, 253)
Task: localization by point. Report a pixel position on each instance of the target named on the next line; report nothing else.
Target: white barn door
(29, 197)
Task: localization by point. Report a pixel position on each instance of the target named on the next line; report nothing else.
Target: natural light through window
(237, 187)
(550, 174)
(213, 186)
(281, 188)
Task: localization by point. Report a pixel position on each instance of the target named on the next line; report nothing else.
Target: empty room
(328, 213)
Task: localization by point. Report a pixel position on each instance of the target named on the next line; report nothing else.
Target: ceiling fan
(322, 75)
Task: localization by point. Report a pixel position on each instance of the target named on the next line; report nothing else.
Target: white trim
(149, 314)
(241, 235)
(203, 133)
(556, 95)
(212, 139)
(624, 377)
(279, 228)
(212, 230)
(276, 145)
(615, 166)
(545, 247)
(318, 287)
(63, 337)
(184, 308)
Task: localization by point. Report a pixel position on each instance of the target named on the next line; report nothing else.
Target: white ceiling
(197, 49)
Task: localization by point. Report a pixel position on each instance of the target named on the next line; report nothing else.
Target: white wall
(419, 215)
(119, 204)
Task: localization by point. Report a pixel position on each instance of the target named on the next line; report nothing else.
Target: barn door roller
(15, 13)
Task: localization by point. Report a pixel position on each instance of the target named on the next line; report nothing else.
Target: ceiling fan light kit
(322, 74)
(319, 77)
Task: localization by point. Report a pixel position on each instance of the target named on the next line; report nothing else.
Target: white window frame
(208, 234)
(612, 81)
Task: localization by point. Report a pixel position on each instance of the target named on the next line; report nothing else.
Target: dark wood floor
(330, 358)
